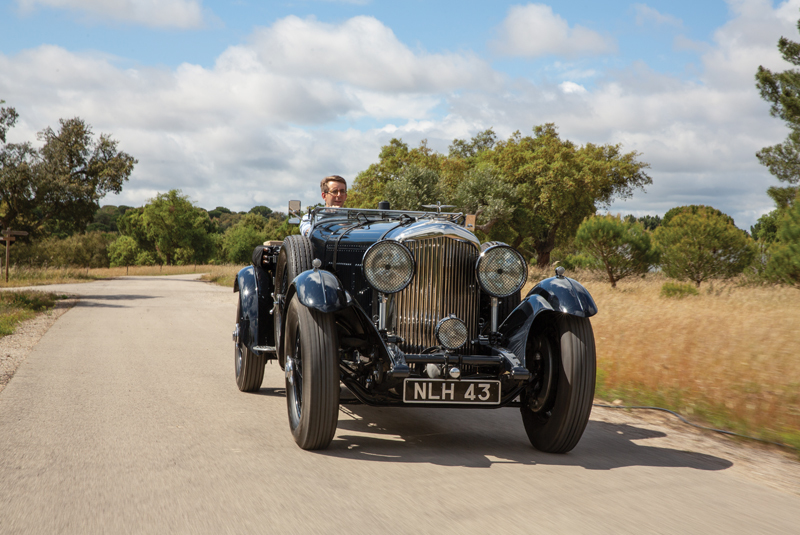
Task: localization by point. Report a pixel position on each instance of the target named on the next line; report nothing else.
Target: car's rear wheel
(312, 376)
(248, 366)
(294, 258)
(556, 408)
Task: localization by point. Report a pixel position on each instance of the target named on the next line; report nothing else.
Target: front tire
(248, 366)
(312, 376)
(294, 258)
(556, 410)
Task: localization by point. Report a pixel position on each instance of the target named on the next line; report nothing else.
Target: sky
(242, 103)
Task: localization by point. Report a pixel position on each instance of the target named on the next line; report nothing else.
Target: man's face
(336, 195)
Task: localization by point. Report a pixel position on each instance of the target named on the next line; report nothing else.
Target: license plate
(443, 391)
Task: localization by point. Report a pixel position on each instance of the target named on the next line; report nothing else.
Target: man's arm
(305, 224)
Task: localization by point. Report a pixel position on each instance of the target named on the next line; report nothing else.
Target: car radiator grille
(444, 284)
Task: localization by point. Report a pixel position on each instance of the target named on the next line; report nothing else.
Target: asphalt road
(126, 418)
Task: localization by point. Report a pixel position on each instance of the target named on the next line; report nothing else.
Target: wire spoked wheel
(312, 376)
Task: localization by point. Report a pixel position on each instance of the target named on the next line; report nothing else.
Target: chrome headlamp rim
(441, 323)
(486, 254)
(388, 243)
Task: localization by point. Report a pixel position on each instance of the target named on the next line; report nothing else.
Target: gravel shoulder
(15, 348)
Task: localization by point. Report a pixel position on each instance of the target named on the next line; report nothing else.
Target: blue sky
(241, 103)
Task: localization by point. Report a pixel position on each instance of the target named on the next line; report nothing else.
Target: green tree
(766, 228)
(123, 251)
(263, 211)
(56, 189)
(620, 248)
(557, 184)
(369, 186)
(784, 261)
(700, 243)
(170, 228)
(413, 187)
(782, 91)
(8, 117)
(239, 241)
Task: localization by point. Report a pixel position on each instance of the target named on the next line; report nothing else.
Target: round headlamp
(501, 271)
(388, 266)
(451, 332)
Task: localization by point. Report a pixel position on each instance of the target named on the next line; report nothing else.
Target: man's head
(334, 190)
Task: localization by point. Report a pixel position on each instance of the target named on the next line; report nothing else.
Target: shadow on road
(89, 300)
(481, 438)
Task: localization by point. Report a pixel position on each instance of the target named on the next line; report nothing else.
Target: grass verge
(726, 358)
(26, 276)
(16, 307)
(222, 275)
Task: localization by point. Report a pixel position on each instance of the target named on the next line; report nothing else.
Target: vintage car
(409, 309)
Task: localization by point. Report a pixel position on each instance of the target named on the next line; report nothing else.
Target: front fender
(553, 295)
(319, 289)
(566, 295)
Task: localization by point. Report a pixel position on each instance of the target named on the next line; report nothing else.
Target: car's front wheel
(556, 408)
(312, 376)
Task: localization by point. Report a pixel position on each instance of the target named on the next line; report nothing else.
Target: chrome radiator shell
(443, 284)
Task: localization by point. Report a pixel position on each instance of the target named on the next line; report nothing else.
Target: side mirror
(294, 209)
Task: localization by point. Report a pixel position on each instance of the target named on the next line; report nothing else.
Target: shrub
(678, 289)
(80, 250)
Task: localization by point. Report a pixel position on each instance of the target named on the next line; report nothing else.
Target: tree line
(539, 193)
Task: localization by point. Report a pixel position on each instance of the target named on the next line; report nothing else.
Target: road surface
(125, 418)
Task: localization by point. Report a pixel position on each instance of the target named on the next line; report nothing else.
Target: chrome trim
(444, 284)
(434, 229)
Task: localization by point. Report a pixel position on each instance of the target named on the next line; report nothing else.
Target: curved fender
(566, 295)
(551, 295)
(246, 285)
(321, 290)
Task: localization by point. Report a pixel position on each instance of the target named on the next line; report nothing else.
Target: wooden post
(8, 237)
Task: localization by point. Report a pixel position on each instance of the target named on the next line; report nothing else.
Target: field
(729, 357)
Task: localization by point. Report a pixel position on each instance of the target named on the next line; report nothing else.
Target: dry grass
(730, 356)
(222, 275)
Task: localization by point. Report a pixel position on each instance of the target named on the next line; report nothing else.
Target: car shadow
(481, 438)
(272, 392)
(94, 301)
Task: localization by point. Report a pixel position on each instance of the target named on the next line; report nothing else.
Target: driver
(334, 193)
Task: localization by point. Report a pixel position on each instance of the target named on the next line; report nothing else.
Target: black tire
(556, 409)
(248, 366)
(294, 258)
(312, 376)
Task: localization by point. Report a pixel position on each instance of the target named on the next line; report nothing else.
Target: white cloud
(534, 31)
(571, 87)
(647, 15)
(302, 99)
(365, 53)
(153, 13)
